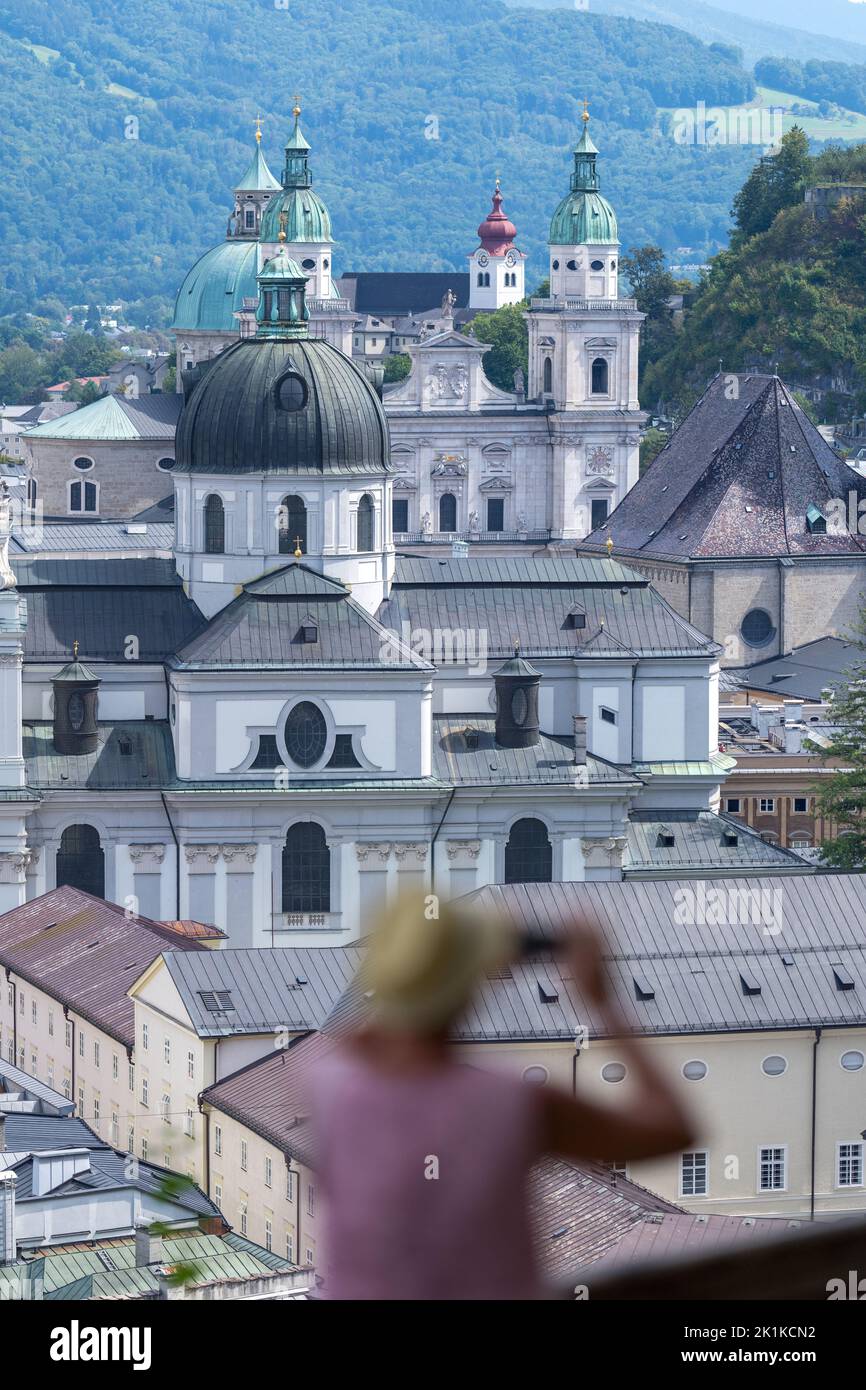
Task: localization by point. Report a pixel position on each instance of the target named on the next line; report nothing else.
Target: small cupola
(517, 703)
(76, 700)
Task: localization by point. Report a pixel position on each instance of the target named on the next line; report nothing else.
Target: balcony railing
(474, 537)
(329, 306)
(567, 301)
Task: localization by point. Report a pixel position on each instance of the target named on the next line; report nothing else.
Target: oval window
(852, 1061)
(82, 464)
(571, 265)
(519, 706)
(695, 1071)
(75, 710)
(556, 265)
(774, 1066)
(613, 1072)
(291, 392)
(306, 734)
(597, 265)
(536, 1076)
(757, 627)
(308, 264)
(165, 465)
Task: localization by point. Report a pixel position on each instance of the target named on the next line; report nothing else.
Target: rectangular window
(400, 514)
(115, 1128)
(190, 1065)
(144, 1149)
(599, 506)
(81, 1044)
(496, 513)
(81, 1102)
(131, 1077)
(290, 1248)
(34, 1065)
(130, 1140)
(189, 1124)
(218, 1194)
(166, 1109)
(850, 1165)
(166, 1051)
(771, 1170)
(311, 1259)
(115, 1066)
(733, 805)
(21, 1004)
(243, 1220)
(96, 1110)
(269, 1172)
(801, 804)
(244, 1155)
(33, 1011)
(217, 1139)
(96, 1054)
(50, 1025)
(68, 1033)
(608, 715)
(693, 1174)
(290, 1186)
(269, 1235)
(82, 496)
(311, 1199)
(144, 1091)
(145, 1036)
(767, 804)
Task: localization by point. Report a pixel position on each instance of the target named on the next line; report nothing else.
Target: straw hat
(421, 970)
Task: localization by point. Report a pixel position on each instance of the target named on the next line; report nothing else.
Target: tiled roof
(702, 841)
(262, 627)
(200, 930)
(736, 479)
(533, 602)
(292, 987)
(581, 1212)
(672, 1234)
(480, 760)
(85, 953)
(116, 417)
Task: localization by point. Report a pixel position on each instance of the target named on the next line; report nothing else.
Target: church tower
(252, 194)
(583, 357)
(496, 266)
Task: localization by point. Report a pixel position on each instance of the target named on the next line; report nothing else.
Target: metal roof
(702, 841)
(116, 418)
(15, 1081)
(95, 537)
(694, 942)
(262, 627)
(148, 763)
(736, 479)
(480, 761)
(804, 672)
(670, 1235)
(48, 572)
(214, 289)
(292, 987)
(402, 292)
(86, 953)
(100, 616)
(27, 1133)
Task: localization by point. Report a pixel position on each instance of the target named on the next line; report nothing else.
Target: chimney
(7, 1217)
(148, 1248)
(579, 722)
(793, 711)
(517, 703)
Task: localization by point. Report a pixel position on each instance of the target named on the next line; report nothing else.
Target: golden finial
(258, 130)
(517, 648)
(284, 217)
(296, 109)
(298, 551)
(609, 544)
(75, 650)
(497, 181)
(585, 117)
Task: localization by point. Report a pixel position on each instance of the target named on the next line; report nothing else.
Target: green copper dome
(296, 213)
(584, 216)
(216, 287)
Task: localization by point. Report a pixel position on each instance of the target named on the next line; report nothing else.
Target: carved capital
(463, 849)
(605, 853)
(380, 848)
(147, 854)
(195, 854)
(411, 849)
(233, 851)
(12, 659)
(13, 865)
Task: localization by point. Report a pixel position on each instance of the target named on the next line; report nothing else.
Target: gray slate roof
(95, 536)
(700, 845)
(736, 479)
(292, 987)
(111, 1169)
(27, 1134)
(530, 601)
(148, 764)
(804, 671)
(550, 761)
(697, 972)
(401, 292)
(262, 628)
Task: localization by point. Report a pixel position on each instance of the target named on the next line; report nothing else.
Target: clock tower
(496, 266)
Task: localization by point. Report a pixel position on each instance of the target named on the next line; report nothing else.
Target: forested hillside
(411, 107)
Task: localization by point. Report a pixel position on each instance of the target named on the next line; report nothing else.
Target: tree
(842, 797)
(650, 446)
(22, 371)
(505, 330)
(776, 182)
(398, 366)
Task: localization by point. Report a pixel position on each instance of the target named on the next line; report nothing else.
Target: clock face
(482, 258)
(510, 258)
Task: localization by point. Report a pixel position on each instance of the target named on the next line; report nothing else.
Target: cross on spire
(585, 117)
(296, 109)
(258, 129)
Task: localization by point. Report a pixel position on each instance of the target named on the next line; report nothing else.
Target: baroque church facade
(276, 728)
(545, 462)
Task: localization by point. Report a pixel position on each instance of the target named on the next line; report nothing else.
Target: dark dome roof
(233, 421)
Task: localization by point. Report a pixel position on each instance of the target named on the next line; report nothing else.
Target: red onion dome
(496, 232)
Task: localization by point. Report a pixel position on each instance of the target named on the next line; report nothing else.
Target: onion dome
(296, 213)
(282, 402)
(496, 232)
(584, 216)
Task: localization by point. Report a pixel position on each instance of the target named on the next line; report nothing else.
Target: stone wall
(124, 471)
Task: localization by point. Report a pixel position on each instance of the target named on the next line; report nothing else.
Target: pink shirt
(424, 1179)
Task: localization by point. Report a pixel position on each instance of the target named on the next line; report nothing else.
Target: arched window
(487, 277)
(32, 494)
(82, 497)
(366, 523)
(448, 512)
(528, 854)
(548, 376)
(292, 525)
(81, 860)
(600, 376)
(480, 277)
(214, 526)
(306, 870)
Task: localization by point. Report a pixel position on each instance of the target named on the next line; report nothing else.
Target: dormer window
(308, 631)
(816, 521)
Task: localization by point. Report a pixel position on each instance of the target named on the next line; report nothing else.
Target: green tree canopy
(506, 330)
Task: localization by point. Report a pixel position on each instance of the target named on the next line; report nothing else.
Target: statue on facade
(7, 577)
(519, 381)
(449, 300)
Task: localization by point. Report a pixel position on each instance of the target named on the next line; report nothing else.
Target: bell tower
(496, 273)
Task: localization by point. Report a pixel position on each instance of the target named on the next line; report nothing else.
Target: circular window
(757, 627)
(695, 1071)
(309, 264)
(598, 265)
(82, 464)
(291, 392)
(852, 1061)
(556, 265)
(536, 1076)
(613, 1072)
(165, 465)
(774, 1066)
(306, 734)
(519, 706)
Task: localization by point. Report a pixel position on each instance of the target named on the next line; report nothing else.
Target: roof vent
(844, 980)
(471, 738)
(749, 985)
(730, 837)
(666, 838)
(577, 618)
(216, 1001)
(643, 990)
(787, 960)
(546, 993)
(136, 528)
